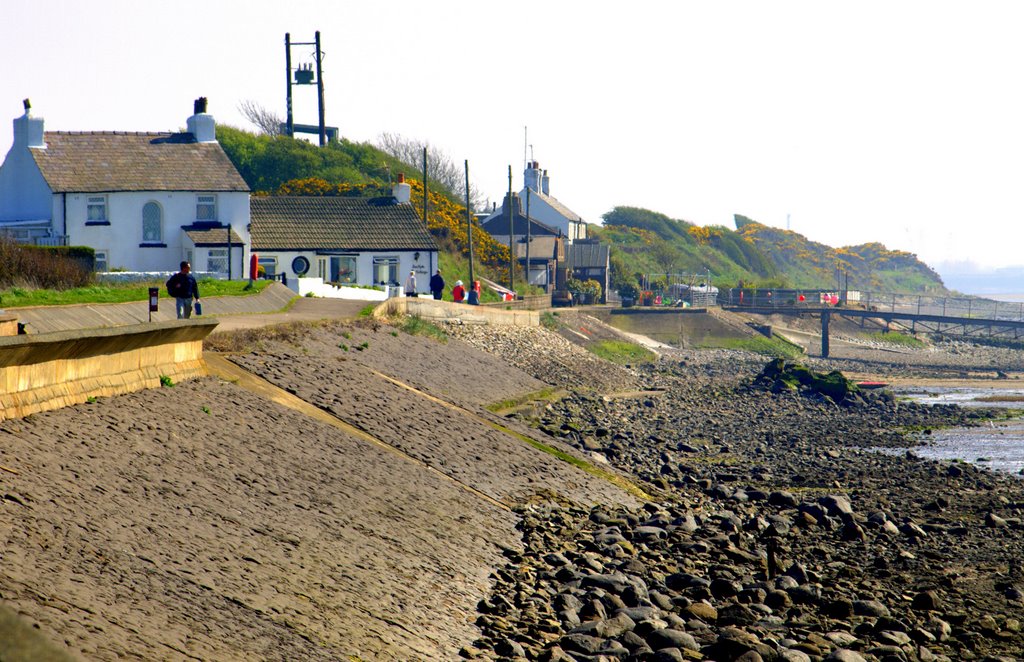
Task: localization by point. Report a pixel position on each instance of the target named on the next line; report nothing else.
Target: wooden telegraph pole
(469, 228)
(511, 234)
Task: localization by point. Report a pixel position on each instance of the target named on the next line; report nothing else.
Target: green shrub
(417, 326)
(622, 352)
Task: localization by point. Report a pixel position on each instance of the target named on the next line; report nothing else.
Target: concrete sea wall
(53, 370)
(432, 309)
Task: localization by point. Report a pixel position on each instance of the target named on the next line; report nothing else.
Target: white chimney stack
(544, 183)
(531, 176)
(201, 124)
(402, 192)
(28, 130)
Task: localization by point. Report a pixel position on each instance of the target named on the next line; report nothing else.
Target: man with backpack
(184, 288)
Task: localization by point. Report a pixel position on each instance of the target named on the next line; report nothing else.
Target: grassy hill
(642, 241)
(284, 166)
(648, 242)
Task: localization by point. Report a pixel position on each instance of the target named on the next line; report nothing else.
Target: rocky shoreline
(411, 522)
(779, 534)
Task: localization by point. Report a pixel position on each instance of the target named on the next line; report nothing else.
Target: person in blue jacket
(184, 288)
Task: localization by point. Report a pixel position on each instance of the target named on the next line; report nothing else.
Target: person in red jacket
(458, 292)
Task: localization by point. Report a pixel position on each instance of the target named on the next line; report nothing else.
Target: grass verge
(621, 352)
(18, 297)
(417, 326)
(543, 395)
(899, 339)
(615, 479)
(759, 345)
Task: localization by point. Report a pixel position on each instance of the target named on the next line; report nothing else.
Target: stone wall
(53, 370)
(431, 309)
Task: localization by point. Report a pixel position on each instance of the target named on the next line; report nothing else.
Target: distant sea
(1012, 298)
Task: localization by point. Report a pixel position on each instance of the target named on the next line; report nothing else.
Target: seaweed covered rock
(780, 375)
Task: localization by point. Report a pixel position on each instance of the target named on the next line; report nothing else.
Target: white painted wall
(424, 267)
(123, 237)
(24, 195)
(548, 215)
(318, 288)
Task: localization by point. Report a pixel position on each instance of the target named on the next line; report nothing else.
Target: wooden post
(469, 228)
(288, 80)
(320, 90)
(527, 235)
(511, 235)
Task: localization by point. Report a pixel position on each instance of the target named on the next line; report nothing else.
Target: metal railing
(888, 302)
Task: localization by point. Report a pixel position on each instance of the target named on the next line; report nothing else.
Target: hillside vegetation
(651, 243)
(278, 165)
(643, 242)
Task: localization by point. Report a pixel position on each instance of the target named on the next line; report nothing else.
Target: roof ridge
(111, 133)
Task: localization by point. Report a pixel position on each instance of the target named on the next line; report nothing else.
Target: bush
(57, 268)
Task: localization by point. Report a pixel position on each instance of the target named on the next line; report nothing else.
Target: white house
(547, 244)
(343, 240)
(545, 208)
(142, 201)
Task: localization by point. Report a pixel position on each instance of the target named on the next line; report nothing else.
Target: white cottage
(142, 201)
(344, 240)
(544, 207)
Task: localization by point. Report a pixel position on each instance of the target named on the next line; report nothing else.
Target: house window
(206, 208)
(300, 265)
(217, 260)
(269, 265)
(100, 263)
(343, 269)
(385, 270)
(96, 208)
(152, 223)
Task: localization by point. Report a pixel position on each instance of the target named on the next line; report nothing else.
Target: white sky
(898, 122)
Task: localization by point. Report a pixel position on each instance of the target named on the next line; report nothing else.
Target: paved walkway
(271, 306)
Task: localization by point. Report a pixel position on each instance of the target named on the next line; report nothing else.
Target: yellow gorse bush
(445, 219)
(448, 219)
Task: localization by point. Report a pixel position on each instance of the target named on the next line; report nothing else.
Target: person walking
(437, 285)
(184, 288)
(458, 292)
(410, 284)
(474, 294)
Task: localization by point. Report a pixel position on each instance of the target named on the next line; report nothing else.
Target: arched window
(152, 223)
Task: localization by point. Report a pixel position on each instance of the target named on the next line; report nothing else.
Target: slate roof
(281, 223)
(586, 255)
(208, 236)
(497, 223)
(542, 249)
(557, 206)
(108, 161)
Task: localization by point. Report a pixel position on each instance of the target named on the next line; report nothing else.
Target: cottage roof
(542, 249)
(497, 223)
(106, 161)
(586, 255)
(557, 206)
(336, 223)
(211, 236)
